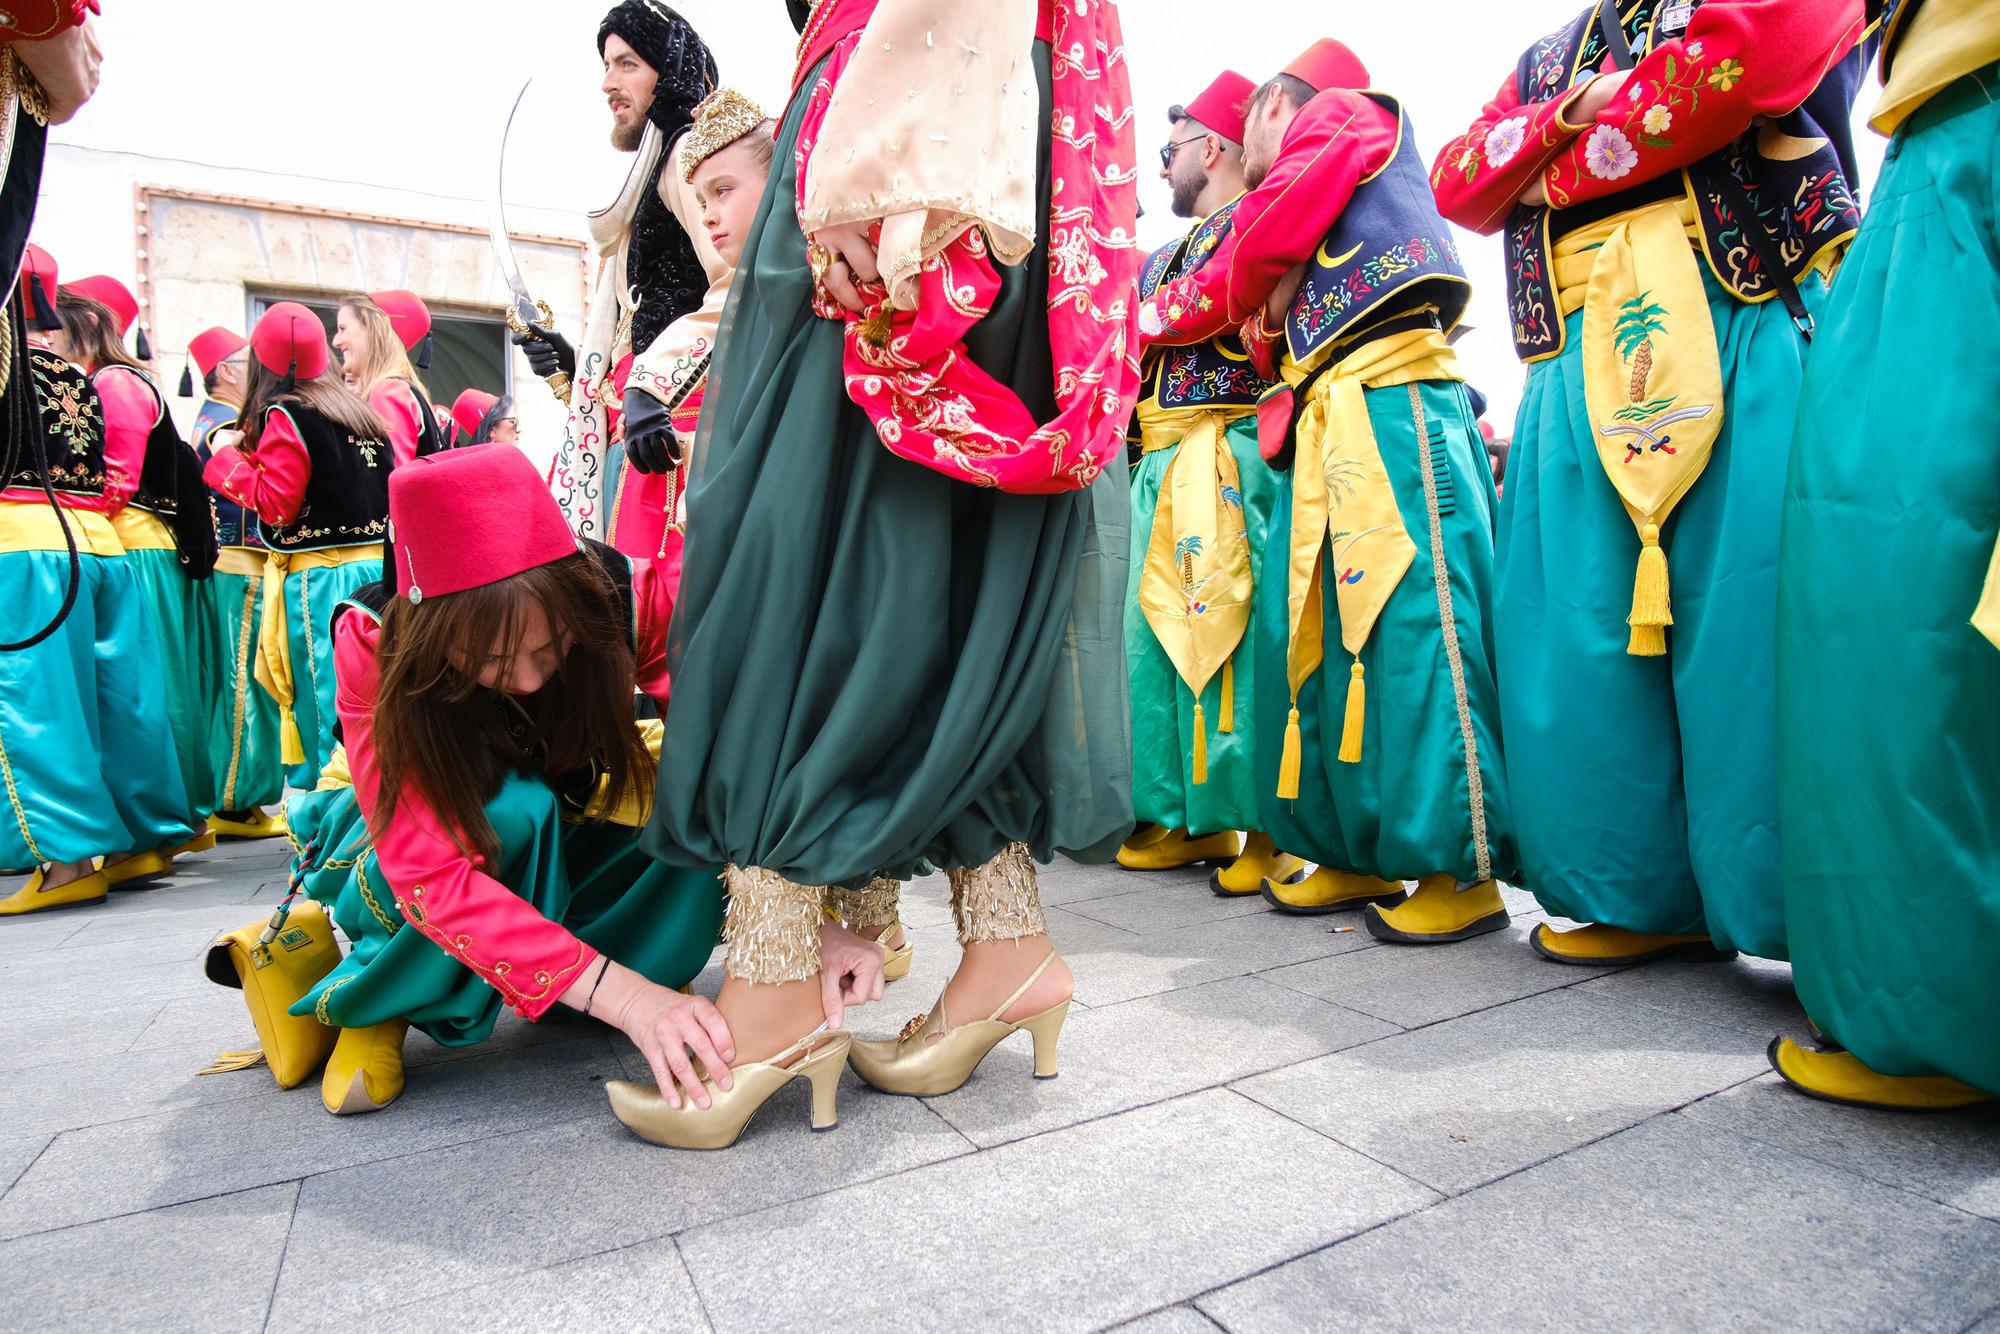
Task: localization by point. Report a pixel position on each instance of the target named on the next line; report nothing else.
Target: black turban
(661, 264)
(668, 43)
(800, 10)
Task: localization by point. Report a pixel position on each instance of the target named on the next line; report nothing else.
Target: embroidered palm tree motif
(1185, 551)
(1638, 320)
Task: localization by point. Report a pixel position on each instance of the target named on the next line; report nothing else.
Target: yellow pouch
(1986, 616)
(275, 963)
(626, 808)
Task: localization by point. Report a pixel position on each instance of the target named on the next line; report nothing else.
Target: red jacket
(1336, 141)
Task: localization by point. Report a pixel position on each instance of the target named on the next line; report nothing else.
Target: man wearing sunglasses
(1199, 510)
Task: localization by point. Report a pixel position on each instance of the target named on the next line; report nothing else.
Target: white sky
(412, 93)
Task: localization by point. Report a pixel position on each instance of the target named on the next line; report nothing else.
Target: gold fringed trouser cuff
(998, 901)
(869, 908)
(772, 926)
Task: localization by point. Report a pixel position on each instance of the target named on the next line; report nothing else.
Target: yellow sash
(33, 526)
(142, 530)
(1341, 494)
(626, 809)
(1196, 585)
(246, 561)
(1652, 378)
(274, 645)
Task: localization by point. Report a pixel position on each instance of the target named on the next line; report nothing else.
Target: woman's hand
(843, 260)
(666, 1026)
(850, 970)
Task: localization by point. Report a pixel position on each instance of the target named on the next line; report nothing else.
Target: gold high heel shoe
(649, 1116)
(931, 1057)
(895, 959)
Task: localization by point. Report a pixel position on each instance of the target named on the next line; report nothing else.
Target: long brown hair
(387, 358)
(441, 733)
(264, 389)
(91, 331)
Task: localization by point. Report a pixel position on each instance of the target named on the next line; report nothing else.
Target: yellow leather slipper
(1440, 912)
(1178, 849)
(365, 1072)
(1329, 890)
(1601, 946)
(256, 823)
(1260, 861)
(146, 865)
(32, 897)
(1839, 1076)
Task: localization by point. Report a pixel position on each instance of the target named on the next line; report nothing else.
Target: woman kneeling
(497, 775)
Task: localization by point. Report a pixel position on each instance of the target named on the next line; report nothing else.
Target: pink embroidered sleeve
(443, 893)
(1479, 175)
(269, 480)
(396, 403)
(1688, 98)
(131, 410)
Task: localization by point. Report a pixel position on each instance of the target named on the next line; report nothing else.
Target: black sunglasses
(1167, 152)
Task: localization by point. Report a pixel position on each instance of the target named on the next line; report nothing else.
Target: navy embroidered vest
(1797, 172)
(234, 525)
(72, 426)
(1216, 372)
(347, 496)
(1387, 253)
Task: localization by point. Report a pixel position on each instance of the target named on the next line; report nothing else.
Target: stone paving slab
(1459, 1104)
(1173, 1320)
(172, 1157)
(1754, 995)
(1413, 986)
(204, 1266)
(1142, 1180)
(1146, 1050)
(1669, 1225)
(1951, 1157)
(491, 1209)
(1071, 1230)
(643, 1287)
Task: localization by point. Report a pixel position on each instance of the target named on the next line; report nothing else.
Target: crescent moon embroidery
(1333, 263)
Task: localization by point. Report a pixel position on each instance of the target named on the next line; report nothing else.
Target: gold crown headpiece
(723, 117)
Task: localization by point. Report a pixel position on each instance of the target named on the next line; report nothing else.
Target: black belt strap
(1734, 195)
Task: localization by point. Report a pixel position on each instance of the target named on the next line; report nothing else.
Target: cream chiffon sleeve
(932, 129)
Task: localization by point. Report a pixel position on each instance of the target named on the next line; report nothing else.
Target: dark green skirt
(874, 664)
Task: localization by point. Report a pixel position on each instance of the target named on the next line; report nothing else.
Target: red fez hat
(470, 408)
(290, 340)
(410, 318)
(1328, 64)
(211, 347)
(38, 284)
(113, 295)
(462, 518)
(1220, 106)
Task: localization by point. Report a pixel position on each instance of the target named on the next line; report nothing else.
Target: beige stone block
(288, 250)
(427, 260)
(336, 261)
(384, 254)
(182, 308)
(189, 240)
(554, 275)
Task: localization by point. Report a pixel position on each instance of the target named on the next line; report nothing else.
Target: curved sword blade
(496, 220)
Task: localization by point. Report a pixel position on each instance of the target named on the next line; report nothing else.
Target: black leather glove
(650, 443)
(547, 352)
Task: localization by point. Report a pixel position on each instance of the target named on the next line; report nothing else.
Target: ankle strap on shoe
(1022, 990)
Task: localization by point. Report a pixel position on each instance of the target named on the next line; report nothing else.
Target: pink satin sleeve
(131, 410)
(269, 480)
(396, 403)
(443, 892)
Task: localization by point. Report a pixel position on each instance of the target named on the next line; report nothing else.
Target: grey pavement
(1263, 1122)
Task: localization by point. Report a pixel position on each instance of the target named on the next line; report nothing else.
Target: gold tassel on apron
(1652, 378)
(1196, 586)
(1343, 504)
